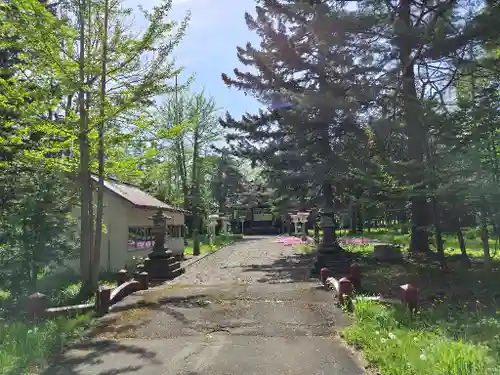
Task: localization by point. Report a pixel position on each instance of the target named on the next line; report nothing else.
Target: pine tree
(306, 61)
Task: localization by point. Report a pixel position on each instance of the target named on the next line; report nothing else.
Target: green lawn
(457, 331)
(472, 239)
(206, 247)
(439, 342)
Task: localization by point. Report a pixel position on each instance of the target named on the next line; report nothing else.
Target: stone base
(327, 248)
(387, 253)
(162, 266)
(329, 259)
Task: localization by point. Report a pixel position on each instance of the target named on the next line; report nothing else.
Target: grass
(472, 239)
(25, 347)
(446, 344)
(205, 246)
(305, 249)
(457, 331)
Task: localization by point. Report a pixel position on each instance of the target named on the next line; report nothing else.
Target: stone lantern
(225, 225)
(327, 224)
(212, 224)
(328, 246)
(302, 219)
(242, 221)
(158, 263)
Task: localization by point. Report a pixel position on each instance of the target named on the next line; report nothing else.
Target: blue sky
(209, 48)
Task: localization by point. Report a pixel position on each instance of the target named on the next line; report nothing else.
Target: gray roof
(136, 196)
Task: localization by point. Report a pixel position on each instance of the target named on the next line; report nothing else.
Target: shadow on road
(288, 269)
(95, 351)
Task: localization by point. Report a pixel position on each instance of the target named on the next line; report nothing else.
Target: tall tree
(302, 62)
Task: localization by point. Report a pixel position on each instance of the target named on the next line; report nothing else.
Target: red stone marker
(345, 286)
(37, 304)
(355, 276)
(409, 297)
(102, 301)
(324, 273)
(143, 278)
(122, 276)
(345, 289)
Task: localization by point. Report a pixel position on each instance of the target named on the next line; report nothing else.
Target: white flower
(392, 336)
(382, 340)
(377, 333)
(422, 357)
(415, 339)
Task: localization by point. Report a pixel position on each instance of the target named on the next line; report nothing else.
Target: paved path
(248, 309)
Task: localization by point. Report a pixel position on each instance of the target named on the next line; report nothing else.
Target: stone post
(143, 278)
(121, 276)
(36, 306)
(355, 276)
(242, 221)
(409, 297)
(102, 301)
(324, 274)
(295, 221)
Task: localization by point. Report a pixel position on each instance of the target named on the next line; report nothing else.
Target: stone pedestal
(162, 265)
(387, 253)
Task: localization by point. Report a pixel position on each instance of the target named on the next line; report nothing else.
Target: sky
(216, 28)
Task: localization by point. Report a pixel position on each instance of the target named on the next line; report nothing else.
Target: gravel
(253, 259)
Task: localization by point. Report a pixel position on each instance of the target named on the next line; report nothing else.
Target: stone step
(174, 265)
(177, 272)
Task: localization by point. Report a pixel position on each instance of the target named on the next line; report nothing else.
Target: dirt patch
(123, 324)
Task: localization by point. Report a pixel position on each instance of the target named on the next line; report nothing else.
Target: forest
(384, 111)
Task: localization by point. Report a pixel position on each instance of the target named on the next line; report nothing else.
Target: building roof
(136, 196)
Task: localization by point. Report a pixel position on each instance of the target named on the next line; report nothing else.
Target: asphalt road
(248, 309)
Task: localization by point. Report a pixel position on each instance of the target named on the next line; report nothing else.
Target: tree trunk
(329, 236)
(415, 131)
(360, 217)
(485, 236)
(196, 191)
(439, 235)
(85, 180)
(96, 261)
(353, 227)
(461, 242)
